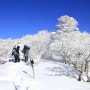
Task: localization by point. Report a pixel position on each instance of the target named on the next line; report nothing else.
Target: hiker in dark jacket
(25, 51)
(15, 52)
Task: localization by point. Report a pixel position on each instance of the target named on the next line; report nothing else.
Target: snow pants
(17, 59)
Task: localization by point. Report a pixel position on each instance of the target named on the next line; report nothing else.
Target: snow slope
(49, 75)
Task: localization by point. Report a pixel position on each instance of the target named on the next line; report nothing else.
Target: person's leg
(18, 58)
(15, 58)
(26, 58)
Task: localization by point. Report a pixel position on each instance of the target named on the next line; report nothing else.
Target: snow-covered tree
(39, 43)
(74, 47)
(5, 48)
(48, 54)
(67, 24)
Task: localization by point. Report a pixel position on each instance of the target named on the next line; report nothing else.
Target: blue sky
(22, 17)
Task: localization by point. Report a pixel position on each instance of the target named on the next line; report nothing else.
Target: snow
(49, 75)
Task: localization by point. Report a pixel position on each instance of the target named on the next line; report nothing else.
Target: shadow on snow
(63, 70)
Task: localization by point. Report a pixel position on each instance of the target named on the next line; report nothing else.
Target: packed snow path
(19, 76)
(48, 76)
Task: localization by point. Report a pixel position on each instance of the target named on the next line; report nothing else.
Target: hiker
(25, 51)
(15, 52)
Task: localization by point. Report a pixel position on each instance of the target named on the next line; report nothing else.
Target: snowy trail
(48, 76)
(20, 75)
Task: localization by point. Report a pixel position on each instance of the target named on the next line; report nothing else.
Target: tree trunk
(75, 66)
(80, 76)
(88, 79)
(81, 72)
(88, 73)
(86, 67)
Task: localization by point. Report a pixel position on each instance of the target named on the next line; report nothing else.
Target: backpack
(26, 47)
(14, 51)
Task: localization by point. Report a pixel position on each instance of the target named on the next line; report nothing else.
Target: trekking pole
(32, 65)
